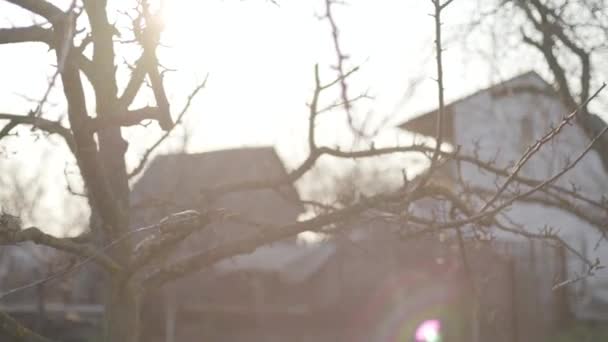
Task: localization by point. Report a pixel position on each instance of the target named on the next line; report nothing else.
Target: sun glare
(429, 331)
(258, 58)
(191, 28)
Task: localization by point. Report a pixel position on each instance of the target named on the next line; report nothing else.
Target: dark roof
(177, 182)
(425, 124)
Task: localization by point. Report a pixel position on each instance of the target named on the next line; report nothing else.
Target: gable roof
(177, 182)
(529, 82)
(179, 178)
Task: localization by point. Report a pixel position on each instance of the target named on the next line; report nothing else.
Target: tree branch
(538, 144)
(149, 40)
(144, 159)
(370, 153)
(164, 120)
(491, 212)
(248, 245)
(18, 331)
(170, 231)
(37, 33)
(276, 233)
(555, 29)
(68, 245)
(550, 199)
(440, 92)
(86, 152)
(130, 118)
(37, 236)
(546, 48)
(42, 8)
(33, 33)
(137, 79)
(52, 127)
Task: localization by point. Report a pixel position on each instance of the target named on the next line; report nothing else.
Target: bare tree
(99, 149)
(569, 36)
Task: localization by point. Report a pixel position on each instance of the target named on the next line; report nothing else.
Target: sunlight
(193, 27)
(311, 238)
(271, 169)
(253, 66)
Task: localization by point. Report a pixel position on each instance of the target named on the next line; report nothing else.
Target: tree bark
(122, 312)
(122, 316)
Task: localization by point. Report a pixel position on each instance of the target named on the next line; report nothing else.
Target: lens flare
(429, 331)
(412, 306)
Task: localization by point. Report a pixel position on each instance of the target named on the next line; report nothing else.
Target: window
(526, 133)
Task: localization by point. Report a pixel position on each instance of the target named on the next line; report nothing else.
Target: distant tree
(569, 36)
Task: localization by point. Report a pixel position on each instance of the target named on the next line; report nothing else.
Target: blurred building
(498, 125)
(362, 284)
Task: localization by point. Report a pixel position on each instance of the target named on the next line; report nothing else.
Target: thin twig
(144, 159)
(440, 94)
(536, 147)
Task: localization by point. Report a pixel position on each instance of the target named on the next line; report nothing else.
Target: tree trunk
(122, 312)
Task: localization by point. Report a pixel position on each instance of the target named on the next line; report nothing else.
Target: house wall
(537, 309)
(500, 126)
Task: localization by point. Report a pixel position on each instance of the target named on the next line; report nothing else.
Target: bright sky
(260, 60)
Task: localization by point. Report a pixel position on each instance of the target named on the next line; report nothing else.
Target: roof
(186, 176)
(292, 262)
(425, 124)
(177, 182)
(529, 82)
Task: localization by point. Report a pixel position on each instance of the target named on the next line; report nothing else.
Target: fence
(537, 310)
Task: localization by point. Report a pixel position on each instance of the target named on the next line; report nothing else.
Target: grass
(583, 332)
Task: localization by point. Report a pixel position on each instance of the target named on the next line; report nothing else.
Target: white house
(500, 123)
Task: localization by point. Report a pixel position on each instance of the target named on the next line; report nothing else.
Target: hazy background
(259, 58)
